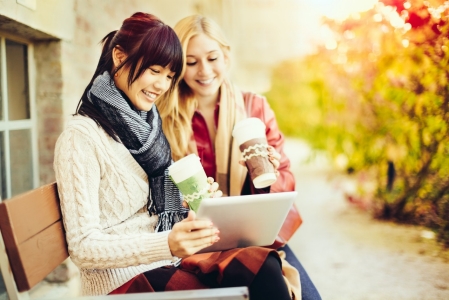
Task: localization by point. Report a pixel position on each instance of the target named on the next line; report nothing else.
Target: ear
(118, 56)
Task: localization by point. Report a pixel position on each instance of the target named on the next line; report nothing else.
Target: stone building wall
(66, 36)
(66, 41)
(49, 87)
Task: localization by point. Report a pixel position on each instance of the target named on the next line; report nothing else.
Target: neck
(127, 100)
(207, 102)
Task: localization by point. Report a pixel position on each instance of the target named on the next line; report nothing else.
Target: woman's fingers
(213, 189)
(199, 236)
(196, 245)
(204, 241)
(217, 194)
(275, 162)
(189, 236)
(273, 153)
(204, 234)
(191, 216)
(185, 204)
(193, 226)
(274, 157)
(187, 225)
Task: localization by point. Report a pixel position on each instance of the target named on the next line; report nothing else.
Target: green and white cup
(191, 179)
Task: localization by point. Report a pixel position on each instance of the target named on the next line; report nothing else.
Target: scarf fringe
(167, 219)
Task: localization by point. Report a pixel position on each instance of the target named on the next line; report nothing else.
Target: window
(18, 147)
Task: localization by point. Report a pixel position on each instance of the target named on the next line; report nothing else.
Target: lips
(205, 82)
(150, 95)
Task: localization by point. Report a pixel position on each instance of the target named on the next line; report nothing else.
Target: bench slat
(39, 207)
(42, 254)
(33, 234)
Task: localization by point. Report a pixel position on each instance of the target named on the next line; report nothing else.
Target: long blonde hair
(177, 109)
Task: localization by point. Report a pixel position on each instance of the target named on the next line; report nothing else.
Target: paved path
(349, 255)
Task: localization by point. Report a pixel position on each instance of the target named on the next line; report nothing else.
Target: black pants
(269, 282)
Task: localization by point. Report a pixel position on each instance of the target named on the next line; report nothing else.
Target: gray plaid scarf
(141, 132)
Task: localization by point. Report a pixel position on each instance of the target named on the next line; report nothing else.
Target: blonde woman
(201, 113)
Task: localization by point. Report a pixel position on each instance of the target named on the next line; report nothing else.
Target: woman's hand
(213, 190)
(273, 156)
(191, 235)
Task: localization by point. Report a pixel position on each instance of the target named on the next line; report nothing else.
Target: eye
(170, 77)
(154, 70)
(191, 63)
(213, 58)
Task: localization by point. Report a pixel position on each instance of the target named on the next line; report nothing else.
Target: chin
(146, 107)
(208, 91)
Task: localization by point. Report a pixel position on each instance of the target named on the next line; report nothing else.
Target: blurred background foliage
(375, 97)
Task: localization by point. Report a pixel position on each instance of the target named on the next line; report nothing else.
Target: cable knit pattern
(104, 193)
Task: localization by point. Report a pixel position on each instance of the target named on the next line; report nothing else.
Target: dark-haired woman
(126, 228)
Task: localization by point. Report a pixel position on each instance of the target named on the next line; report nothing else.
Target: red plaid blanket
(235, 267)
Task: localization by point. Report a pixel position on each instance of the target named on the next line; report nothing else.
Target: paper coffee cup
(248, 129)
(191, 179)
(250, 136)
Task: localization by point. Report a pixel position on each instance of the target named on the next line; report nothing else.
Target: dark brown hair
(147, 41)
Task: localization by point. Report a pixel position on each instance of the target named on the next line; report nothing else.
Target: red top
(203, 141)
(259, 108)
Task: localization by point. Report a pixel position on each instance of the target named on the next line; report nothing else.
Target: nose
(204, 69)
(162, 84)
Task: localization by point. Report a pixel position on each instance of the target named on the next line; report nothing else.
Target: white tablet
(253, 220)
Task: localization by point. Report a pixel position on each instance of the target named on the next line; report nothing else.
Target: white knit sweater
(103, 193)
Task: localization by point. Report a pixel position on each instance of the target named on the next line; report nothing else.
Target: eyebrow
(206, 53)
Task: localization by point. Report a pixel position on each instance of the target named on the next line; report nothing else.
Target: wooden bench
(32, 245)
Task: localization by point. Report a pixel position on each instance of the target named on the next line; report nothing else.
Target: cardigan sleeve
(78, 162)
(260, 108)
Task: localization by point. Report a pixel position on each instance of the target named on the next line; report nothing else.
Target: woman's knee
(272, 265)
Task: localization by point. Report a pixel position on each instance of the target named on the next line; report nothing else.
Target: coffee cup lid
(247, 129)
(254, 123)
(180, 165)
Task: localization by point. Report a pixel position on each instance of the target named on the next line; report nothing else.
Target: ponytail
(85, 107)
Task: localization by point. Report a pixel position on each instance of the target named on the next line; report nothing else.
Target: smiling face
(206, 66)
(147, 88)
